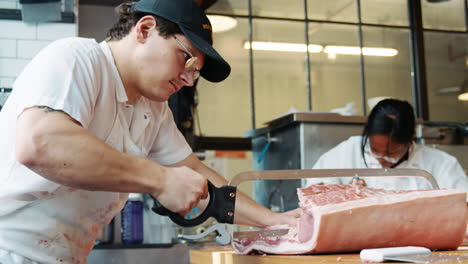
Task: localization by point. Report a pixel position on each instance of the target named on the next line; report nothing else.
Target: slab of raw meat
(348, 218)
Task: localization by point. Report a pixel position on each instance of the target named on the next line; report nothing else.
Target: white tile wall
(27, 49)
(8, 4)
(6, 82)
(53, 31)
(16, 29)
(11, 67)
(7, 48)
(20, 42)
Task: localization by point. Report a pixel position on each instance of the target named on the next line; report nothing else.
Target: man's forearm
(247, 211)
(66, 153)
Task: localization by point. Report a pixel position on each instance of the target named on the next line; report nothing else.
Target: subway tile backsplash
(17, 29)
(11, 67)
(8, 48)
(6, 82)
(8, 4)
(27, 49)
(53, 31)
(20, 42)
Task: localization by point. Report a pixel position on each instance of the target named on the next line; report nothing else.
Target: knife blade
(261, 233)
(428, 258)
(407, 254)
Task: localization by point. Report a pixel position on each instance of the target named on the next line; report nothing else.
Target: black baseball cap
(196, 27)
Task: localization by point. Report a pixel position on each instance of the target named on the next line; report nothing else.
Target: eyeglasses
(392, 160)
(191, 64)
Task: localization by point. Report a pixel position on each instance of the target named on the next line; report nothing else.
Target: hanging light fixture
(461, 91)
(222, 23)
(463, 95)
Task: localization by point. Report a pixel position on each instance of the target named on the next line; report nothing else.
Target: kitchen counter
(148, 253)
(213, 254)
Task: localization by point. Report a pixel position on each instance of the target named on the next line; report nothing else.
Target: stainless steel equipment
(174, 254)
(160, 242)
(222, 231)
(449, 137)
(295, 141)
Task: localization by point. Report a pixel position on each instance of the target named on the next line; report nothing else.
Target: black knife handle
(220, 206)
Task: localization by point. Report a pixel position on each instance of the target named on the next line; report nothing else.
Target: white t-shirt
(51, 223)
(445, 168)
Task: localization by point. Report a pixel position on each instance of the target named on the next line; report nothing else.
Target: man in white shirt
(388, 142)
(88, 123)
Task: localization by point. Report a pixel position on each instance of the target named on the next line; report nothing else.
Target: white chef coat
(445, 168)
(43, 221)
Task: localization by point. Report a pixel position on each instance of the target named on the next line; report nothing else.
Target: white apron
(58, 224)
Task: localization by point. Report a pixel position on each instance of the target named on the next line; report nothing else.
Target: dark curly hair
(128, 19)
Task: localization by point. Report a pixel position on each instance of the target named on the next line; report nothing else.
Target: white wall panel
(11, 67)
(53, 31)
(27, 49)
(8, 4)
(6, 82)
(17, 29)
(8, 48)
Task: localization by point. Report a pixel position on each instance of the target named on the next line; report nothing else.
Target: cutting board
(212, 254)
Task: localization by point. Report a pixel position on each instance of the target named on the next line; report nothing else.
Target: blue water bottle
(132, 220)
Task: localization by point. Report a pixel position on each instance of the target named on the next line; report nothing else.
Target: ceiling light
(222, 23)
(352, 50)
(385, 52)
(342, 50)
(463, 97)
(332, 50)
(461, 91)
(280, 46)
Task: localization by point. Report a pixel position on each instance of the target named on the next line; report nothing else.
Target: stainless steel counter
(142, 254)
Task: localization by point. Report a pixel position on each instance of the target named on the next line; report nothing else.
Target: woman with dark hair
(388, 142)
(389, 133)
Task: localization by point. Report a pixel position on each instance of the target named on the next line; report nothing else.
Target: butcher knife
(407, 254)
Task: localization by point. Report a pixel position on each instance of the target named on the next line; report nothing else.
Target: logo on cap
(207, 26)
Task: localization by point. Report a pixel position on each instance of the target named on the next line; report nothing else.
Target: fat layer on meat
(348, 218)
